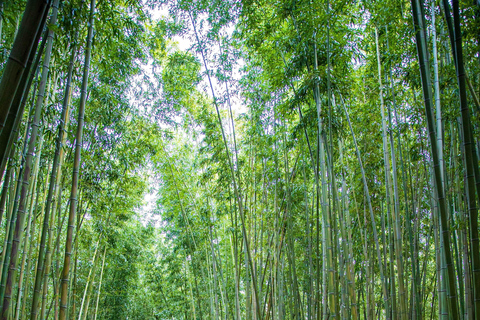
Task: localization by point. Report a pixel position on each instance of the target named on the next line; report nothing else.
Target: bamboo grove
(258, 160)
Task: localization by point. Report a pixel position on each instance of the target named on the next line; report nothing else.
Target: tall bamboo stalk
(28, 167)
(99, 289)
(392, 199)
(10, 131)
(31, 23)
(372, 217)
(471, 161)
(425, 76)
(76, 168)
(53, 183)
(238, 195)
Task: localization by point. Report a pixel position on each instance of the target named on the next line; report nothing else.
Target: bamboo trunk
(425, 76)
(31, 23)
(76, 168)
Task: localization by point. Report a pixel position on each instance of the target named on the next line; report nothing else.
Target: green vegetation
(257, 160)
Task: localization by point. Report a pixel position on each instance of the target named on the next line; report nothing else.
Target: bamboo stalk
(76, 168)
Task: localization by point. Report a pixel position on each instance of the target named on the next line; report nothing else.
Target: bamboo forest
(239, 159)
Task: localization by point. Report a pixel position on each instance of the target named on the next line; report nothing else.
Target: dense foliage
(239, 159)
